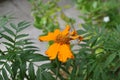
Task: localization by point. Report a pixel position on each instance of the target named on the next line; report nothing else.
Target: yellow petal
(74, 37)
(66, 30)
(56, 32)
(53, 50)
(50, 37)
(65, 53)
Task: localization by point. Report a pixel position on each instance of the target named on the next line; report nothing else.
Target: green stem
(58, 67)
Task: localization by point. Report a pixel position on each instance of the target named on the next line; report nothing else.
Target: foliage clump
(96, 58)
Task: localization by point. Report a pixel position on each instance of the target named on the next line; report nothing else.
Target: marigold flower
(61, 46)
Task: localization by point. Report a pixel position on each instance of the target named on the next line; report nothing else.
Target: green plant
(46, 15)
(97, 57)
(16, 61)
(3, 21)
(100, 12)
(100, 54)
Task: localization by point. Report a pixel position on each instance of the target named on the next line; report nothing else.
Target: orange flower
(61, 46)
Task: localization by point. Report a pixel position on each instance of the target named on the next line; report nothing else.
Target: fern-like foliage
(3, 21)
(99, 56)
(16, 62)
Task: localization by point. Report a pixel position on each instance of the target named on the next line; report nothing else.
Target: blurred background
(21, 10)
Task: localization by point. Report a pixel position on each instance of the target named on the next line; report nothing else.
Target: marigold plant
(96, 57)
(61, 46)
(89, 52)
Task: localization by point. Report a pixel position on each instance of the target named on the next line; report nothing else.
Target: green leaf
(1, 52)
(48, 76)
(15, 67)
(30, 47)
(110, 58)
(3, 20)
(7, 38)
(22, 25)
(22, 41)
(1, 78)
(8, 44)
(13, 26)
(8, 69)
(37, 57)
(29, 42)
(22, 70)
(94, 64)
(4, 73)
(37, 22)
(104, 76)
(25, 55)
(9, 31)
(94, 5)
(22, 28)
(3, 57)
(48, 66)
(21, 36)
(1, 62)
(31, 71)
(97, 72)
(39, 75)
(81, 32)
(93, 41)
(64, 17)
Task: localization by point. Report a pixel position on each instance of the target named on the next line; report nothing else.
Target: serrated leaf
(31, 71)
(7, 38)
(4, 73)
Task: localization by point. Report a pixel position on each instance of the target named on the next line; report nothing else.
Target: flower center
(62, 39)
